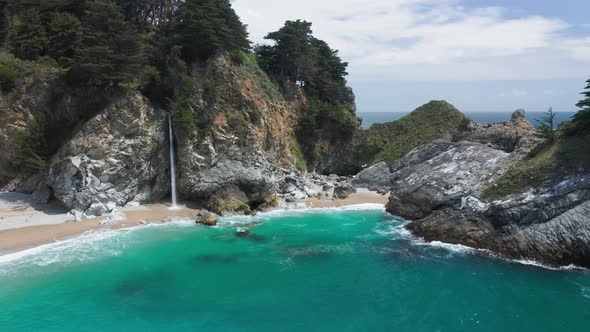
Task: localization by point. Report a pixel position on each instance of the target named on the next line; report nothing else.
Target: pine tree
(29, 39)
(293, 52)
(64, 36)
(206, 26)
(581, 119)
(546, 126)
(111, 50)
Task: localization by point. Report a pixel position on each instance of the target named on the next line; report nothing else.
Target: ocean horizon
(370, 118)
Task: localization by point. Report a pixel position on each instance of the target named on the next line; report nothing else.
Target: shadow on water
(142, 283)
(215, 259)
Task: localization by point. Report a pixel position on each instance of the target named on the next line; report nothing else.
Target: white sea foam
(82, 247)
(456, 248)
(570, 267)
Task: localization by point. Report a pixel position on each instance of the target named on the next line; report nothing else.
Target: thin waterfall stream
(172, 164)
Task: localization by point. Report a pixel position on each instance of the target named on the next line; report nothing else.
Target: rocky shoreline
(439, 187)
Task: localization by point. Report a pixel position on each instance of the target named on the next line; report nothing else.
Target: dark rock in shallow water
(243, 232)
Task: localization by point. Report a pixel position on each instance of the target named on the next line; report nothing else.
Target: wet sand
(48, 230)
(24, 224)
(362, 196)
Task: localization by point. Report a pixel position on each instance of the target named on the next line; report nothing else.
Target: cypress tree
(581, 119)
(546, 129)
(64, 36)
(206, 26)
(29, 39)
(111, 50)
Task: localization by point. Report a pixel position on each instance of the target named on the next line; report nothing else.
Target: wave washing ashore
(25, 224)
(352, 268)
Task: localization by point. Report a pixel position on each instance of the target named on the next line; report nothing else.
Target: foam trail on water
(172, 164)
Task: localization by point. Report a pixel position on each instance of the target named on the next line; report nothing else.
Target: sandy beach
(25, 224)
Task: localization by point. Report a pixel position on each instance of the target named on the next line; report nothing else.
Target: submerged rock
(242, 232)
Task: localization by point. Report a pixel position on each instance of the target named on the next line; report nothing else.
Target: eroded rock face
(551, 225)
(117, 157)
(514, 135)
(420, 184)
(239, 153)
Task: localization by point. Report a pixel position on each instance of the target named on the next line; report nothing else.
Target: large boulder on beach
(343, 191)
(206, 218)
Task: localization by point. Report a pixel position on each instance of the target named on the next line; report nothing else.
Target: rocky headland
(494, 187)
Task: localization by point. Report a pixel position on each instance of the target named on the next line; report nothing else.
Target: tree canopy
(111, 50)
(299, 57)
(206, 26)
(581, 119)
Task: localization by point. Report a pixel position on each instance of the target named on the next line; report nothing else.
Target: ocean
(346, 269)
(370, 118)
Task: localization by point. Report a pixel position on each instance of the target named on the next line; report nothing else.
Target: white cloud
(429, 39)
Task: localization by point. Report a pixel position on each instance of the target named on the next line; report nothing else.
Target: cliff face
(117, 157)
(242, 146)
(112, 149)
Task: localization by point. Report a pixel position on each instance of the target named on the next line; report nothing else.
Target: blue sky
(481, 55)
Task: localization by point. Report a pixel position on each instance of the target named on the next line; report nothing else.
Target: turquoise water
(321, 270)
(370, 118)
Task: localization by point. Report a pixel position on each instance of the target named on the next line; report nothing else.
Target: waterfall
(172, 164)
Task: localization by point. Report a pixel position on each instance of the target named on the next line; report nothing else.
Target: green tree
(581, 119)
(292, 55)
(111, 50)
(64, 36)
(299, 57)
(206, 26)
(546, 126)
(29, 39)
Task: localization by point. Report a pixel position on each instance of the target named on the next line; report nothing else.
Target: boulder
(514, 135)
(374, 178)
(242, 232)
(206, 218)
(344, 190)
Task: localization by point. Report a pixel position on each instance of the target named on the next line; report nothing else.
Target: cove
(351, 269)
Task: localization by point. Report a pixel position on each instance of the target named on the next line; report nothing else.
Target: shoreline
(25, 225)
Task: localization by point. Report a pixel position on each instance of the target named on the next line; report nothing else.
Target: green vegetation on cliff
(176, 52)
(581, 120)
(567, 155)
(390, 141)
(562, 152)
(298, 59)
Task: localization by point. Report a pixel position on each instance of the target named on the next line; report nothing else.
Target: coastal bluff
(494, 187)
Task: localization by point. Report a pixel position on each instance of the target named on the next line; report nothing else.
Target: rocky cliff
(94, 150)
(465, 191)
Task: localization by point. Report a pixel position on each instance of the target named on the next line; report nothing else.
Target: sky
(480, 55)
